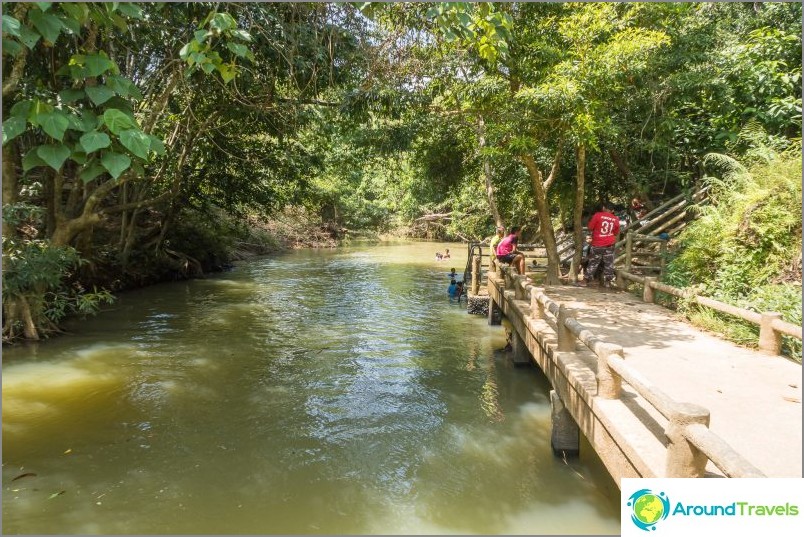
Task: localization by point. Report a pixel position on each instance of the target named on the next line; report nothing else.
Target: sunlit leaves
(136, 141)
(92, 141)
(117, 121)
(99, 94)
(13, 127)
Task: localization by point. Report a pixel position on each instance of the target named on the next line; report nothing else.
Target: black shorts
(507, 258)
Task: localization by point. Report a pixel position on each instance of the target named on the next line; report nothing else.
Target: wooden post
(476, 275)
(770, 341)
(566, 339)
(629, 245)
(683, 458)
(620, 280)
(647, 293)
(536, 308)
(609, 383)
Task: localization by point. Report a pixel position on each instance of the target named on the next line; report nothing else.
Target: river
(334, 391)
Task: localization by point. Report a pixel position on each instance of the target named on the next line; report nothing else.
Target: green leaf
(117, 121)
(136, 141)
(223, 22)
(13, 127)
(22, 109)
(99, 94)
(115, 163)
(185, 51)
(89, 121)
(48, 25)
(54, 155)
(228, 72)
(11, 26)
(11, 48)
(71, 24)
(240, 50)
(97, 64)
(92, 171)
(200, 35)
(78, 11)
(92, 141)
(53, 123)
(208, 67)
(31, 160)
(29, 37)
(43, 6)
(156, 145)
(130, 10)
(71, 95)
(242, 35)
(79, 157)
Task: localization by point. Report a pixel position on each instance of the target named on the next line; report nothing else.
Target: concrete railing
(691, 442)
(771, 325)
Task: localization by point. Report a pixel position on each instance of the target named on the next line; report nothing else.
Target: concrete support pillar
(495, 313)
(519, 287)
(609, 383)
(565, 437)
(566, 339)
(476, 275)
(536, 308)
(770, 341)
(647, 292)
(683, 458)
(519, 351)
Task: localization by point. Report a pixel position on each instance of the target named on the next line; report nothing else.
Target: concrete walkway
(754, 399)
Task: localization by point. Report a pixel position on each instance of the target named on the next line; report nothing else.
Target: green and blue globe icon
(648, 508)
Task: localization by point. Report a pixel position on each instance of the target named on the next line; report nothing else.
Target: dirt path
(754, 399)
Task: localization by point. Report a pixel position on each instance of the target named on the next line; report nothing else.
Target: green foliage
(745, 248)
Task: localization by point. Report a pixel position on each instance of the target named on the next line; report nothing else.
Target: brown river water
(334, 392)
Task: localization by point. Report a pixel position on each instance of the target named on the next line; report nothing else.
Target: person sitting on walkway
(604, 227)
(507, 252)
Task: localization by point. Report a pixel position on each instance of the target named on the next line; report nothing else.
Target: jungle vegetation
(148, 141)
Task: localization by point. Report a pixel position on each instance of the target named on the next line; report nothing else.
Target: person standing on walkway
(604, 227)
(507, 252)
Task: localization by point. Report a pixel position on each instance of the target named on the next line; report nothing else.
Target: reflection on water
(313, 392)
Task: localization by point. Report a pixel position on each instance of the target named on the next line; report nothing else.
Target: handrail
(687, 423)
(771, 325)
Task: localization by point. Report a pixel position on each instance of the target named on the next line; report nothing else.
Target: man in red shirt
(604, 227)
(507, 252)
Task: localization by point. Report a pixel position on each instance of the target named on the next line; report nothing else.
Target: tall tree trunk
(490, 195)
(543, 207)
(577, 225)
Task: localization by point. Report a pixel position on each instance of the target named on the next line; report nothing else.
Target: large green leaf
(118, 121)
(54, 154)
(29, 37)
(130, 10)
(99, 94)
(22, 108)
(115, 163)
(48, 25)
(13, 127)
(54, 123)
(31, 160)
(97, 64)
(79, 11)
(11, 47)
(156, 145)
(11, 26)
(136, 141)
(91, 171)
(92, 141)
(89, 121)
(71, 95)
(223, 22)
(71, 24)
(240, 50)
